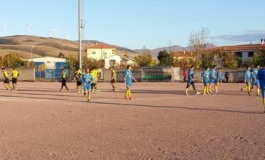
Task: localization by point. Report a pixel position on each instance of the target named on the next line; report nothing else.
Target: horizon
(129, 48)
(137, 24)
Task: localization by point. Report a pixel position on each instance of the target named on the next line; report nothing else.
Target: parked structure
(49, 67)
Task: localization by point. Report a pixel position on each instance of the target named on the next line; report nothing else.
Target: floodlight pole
(80, 32)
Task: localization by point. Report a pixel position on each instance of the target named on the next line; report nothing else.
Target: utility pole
(80, 31)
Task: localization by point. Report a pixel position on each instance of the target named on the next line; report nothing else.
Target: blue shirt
(254, 73)
(127, 74)
(212, 74)
(87, 78)
(247, 75)
(219, 75)
(190, 74)
(261, 78)
(205, 76)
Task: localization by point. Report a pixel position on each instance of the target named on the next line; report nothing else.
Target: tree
(258, 58)
(12, 60)
(61, 55)
(165, 59)
(91, 62)
(1, 61)
(198, 42)
(208, 59)
(145, 59)
(227, 59)
(73, 62)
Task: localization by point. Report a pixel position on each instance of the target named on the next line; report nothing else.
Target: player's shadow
(178, 107)
(133, 105)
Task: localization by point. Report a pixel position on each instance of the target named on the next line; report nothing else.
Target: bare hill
(33, 46)
(38, 46)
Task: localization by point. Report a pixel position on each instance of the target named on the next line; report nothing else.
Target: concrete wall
(25, 74)
(234, 77)
(137, 74)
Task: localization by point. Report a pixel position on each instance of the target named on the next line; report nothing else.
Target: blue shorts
(248, 81)
(87, 87)
(190, 82)
(205, 83)
(212, 80)
(128, 84)
(256, 82)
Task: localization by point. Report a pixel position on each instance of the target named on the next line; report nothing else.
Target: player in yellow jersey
(64, 79)
(113, 78)
(6, 79)
(94, 73)
(15, 75)
(78, 76)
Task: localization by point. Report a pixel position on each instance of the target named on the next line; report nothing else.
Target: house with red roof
(242, 51)
(112, 56)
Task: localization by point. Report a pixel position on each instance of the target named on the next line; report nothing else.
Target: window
(239, 54)
(123, 63)
(112, 62)
(250, 54)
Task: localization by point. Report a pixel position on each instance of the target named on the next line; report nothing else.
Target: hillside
(24, 45)
(38, 46)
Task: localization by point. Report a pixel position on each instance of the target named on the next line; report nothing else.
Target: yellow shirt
(78, 75)
(94, 74)
(15, 74)
(113, 74)
(5, 74)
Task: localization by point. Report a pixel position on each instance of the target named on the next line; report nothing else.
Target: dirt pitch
(38, 122)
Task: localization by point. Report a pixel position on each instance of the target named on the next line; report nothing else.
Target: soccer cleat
(198, 93)
(241, 89)
(249, 94)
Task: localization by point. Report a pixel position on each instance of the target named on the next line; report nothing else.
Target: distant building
(49, 67)
(111, 56)
(244, 52)
(182, 54)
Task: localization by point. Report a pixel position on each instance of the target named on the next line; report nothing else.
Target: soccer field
(160, 122)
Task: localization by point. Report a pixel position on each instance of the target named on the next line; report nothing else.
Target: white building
(49, 62)
(110, 55)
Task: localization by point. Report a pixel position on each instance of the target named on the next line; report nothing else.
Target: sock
(186, 91)
(248, 87)
(129, 93)
(88, 96)
(210, 88)
(263, 101)
(258, 91)
(204, 89)
(216, 88)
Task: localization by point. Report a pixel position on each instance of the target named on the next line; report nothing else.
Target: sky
(137, 24)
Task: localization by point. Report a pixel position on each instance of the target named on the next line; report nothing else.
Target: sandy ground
(38, 122)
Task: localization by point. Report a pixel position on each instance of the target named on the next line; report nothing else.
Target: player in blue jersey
(190, 81)
(128, 77)
(261, 78)
(219, 76)
(205, 81)
(213, 79)
(255, 81)
(87, 79)
(247, 80)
